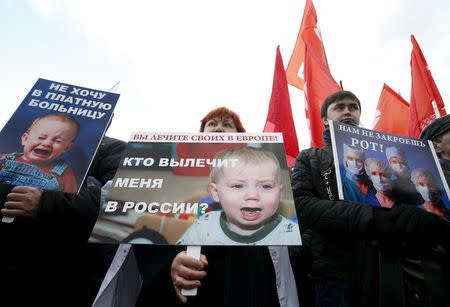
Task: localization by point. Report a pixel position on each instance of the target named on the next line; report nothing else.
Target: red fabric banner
(319, 84)
(392, 115)
(279, 116)
(295, 68)
(426, 101)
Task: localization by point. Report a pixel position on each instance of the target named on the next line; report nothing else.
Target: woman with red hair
(221, 120)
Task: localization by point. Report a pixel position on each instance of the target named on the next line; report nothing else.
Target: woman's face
(223, 124)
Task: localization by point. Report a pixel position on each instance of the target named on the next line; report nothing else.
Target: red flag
(319, 84)
(294, 71)
(426, 101)
(279, 117)
(392, 113)
(316, 80)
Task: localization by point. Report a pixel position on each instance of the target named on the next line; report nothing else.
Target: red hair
(222, 113)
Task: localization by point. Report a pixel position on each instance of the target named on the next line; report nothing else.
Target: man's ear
(437, 147)
(325, 121)
(213, 192)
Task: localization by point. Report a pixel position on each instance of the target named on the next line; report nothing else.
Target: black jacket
(236, 276)
(334, 223)
(48, 259)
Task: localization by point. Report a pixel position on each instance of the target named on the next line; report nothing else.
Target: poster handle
(7, 219)
(193, 251)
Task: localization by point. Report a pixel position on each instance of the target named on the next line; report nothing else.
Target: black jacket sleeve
(311, 187)
(72, 213)
(107, 159)
(80, 211)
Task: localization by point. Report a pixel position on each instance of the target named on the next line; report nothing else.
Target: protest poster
(386, 170)
(51, 139)
(200, 189)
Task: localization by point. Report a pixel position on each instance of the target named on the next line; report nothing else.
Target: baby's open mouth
(250, 213)
(42, 152)
(251, 209)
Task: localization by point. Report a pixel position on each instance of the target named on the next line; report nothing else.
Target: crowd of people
(391, 253)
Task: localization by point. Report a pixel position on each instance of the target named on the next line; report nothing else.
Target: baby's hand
(186, 273)
(22, 201)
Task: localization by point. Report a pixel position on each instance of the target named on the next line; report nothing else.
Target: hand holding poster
(52, 137)
(386, 170)
(201, 189)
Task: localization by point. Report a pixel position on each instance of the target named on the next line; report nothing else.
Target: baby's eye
(228, 125)
(212, 124)
(237, 186)
(266, 186)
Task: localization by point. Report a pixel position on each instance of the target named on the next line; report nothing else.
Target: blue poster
(51, 139)
(387, 170)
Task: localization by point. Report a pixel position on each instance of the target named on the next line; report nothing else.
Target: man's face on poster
(380, 179)
(354, 164)
(399, 166)
(427, 189)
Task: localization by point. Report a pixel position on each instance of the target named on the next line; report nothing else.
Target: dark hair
(438, 138)
(436, 130)
(339, 95)
(222, 112)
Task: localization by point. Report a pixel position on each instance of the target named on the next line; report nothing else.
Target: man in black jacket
(45, 257)
(340, 256)
(437, 266)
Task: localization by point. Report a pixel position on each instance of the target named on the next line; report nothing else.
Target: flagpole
(115, 87)
(436, 109)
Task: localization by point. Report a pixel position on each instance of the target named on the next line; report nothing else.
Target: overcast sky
(178, 59)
